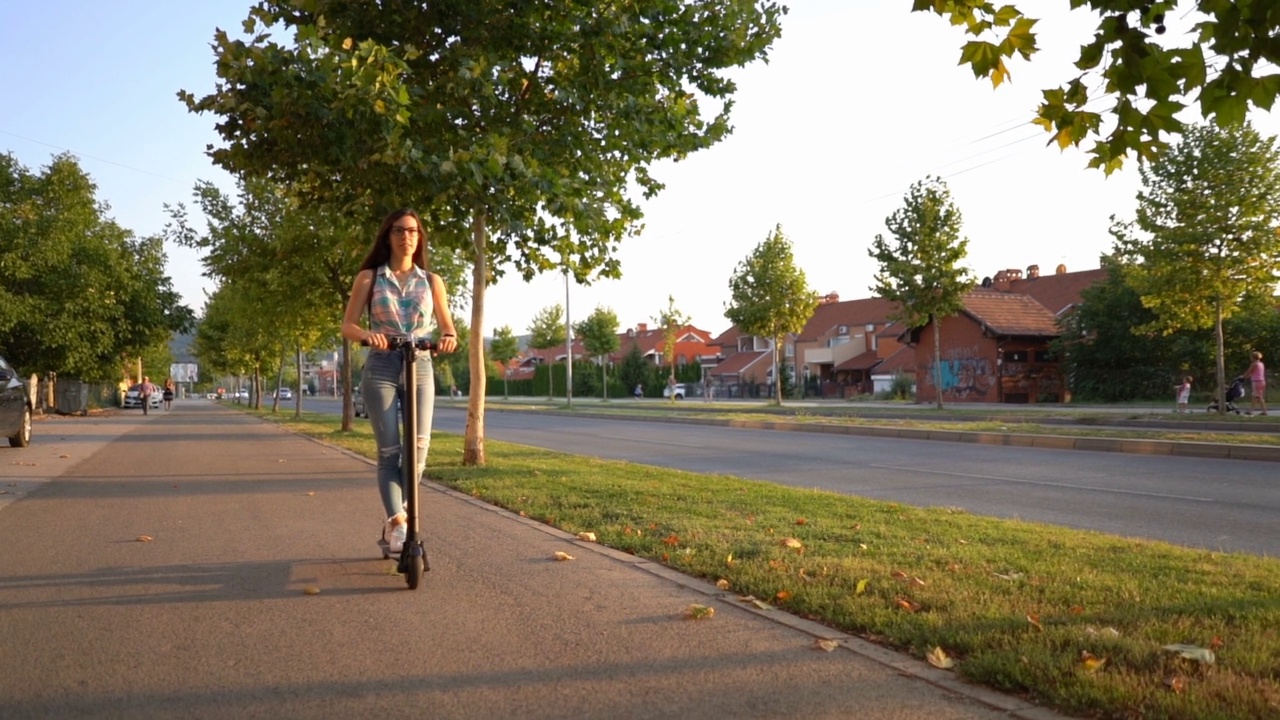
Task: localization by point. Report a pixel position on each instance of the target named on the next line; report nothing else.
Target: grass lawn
(1090, 624)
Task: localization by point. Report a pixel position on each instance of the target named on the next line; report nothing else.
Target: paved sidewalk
(209, 619)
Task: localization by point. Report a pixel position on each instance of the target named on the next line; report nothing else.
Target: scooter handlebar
(399, 342)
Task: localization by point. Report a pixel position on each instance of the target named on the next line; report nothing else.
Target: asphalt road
(1227, 505)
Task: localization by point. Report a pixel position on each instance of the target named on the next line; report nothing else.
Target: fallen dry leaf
(144, 538)
(563, 556)
(938, 658)
(64, 456)
(672, 539)
(1076, 610)
(311, 494)
(729, 559)
(791, 542)
(722, 584)
(861, 587)
(1035, 621)
(1091, 662)
(899, 575)
(828, 645)
(699, 612)
(587, 536)
(311, 590)
(908, 605)
(801, 521)
(1176, 683)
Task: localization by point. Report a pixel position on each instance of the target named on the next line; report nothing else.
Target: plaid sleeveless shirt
(396, 309)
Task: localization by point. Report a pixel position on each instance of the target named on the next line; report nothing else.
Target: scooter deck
(387, 552)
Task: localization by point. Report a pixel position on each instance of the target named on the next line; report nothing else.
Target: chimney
(831, 297)
(642, 328)
(1001, 281)
(1033, 272)
(1062, 270)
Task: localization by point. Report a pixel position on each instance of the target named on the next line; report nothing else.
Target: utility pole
(568, 344)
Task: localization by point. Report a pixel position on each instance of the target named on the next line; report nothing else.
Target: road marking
(651, 442)
(1048, 484)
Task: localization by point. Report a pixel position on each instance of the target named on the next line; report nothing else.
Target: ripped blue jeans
(383, 383)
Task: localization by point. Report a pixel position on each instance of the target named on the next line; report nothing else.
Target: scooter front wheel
(415, 566)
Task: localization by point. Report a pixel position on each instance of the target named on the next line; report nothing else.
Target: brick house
(843, 343)
(693, 345)
(996, 349)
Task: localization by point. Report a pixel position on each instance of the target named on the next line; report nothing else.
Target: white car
(133, 398)
(677, 391)
(284, 393)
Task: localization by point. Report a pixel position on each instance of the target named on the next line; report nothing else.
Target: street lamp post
(568, 345)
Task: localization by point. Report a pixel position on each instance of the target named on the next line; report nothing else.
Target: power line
(92, 157)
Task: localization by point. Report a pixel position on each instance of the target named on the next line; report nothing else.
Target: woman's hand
(376, 340)
(447, 344)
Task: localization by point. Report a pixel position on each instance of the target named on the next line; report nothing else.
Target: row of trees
(80, 296)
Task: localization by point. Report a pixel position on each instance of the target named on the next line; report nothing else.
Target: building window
(1014, 356)
(790, 350)
(1046, 356)
(842, 329)
(681, 360)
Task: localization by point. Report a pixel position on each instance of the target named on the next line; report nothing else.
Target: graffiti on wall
(966, 374)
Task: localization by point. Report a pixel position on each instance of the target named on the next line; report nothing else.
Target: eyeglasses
(410, 231)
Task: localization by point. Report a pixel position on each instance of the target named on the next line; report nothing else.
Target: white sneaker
(396, 537)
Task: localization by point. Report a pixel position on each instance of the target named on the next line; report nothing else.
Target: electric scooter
(413, 557)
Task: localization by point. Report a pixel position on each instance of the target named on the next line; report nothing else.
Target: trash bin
(71, 397)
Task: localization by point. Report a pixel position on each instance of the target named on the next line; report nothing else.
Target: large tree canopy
(530, 121)
(79, 295)
(1151, 59)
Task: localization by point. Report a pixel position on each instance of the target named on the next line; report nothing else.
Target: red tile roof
(864, 361)
(1058, 293)
(854, 313)
(737, 363)
(1010, 314)
(904, 361)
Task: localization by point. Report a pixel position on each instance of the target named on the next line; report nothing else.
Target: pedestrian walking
(400, 298)
(1257, 376)
(169, 389)
(1184, 393)
(146, 389)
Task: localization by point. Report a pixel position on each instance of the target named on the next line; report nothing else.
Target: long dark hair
(380, 253)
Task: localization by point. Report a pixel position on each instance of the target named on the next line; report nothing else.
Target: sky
(859, 99)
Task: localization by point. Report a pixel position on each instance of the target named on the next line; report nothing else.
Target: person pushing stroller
(1234, 392)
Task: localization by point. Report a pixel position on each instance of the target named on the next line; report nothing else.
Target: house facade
(844, 342)
(997, 349)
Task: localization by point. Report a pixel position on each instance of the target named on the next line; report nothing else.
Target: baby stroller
(1234, 393)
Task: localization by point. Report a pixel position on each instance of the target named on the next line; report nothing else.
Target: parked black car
(15, 407)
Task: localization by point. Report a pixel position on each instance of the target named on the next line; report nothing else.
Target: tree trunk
(473, 443)
(604, 378)
(937, 360)
(1221, 361)
(777, 373)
